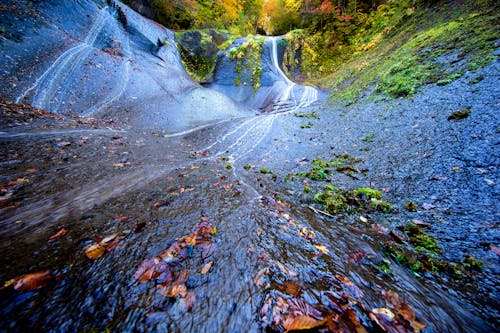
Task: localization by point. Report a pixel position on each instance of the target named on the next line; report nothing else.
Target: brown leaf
(301, 323)
(58, 234)
(291, 288)
(18, 181)
(33, 281)
(207, 267)
(146, 270)
(397, 237)
(95, 251)
(139, 226)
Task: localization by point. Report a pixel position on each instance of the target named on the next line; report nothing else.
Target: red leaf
(33, 281)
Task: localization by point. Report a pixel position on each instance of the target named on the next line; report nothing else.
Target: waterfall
(308, 95)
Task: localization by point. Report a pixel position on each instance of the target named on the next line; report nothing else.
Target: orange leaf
(301, 323)
(33, 281)
(172, 291)
(60, 233)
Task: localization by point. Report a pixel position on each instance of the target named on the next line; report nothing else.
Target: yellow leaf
(94, 251)
(322, 248)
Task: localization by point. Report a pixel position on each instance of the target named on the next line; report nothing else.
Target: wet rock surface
(132, 227)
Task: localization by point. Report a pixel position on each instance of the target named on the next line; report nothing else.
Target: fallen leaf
(363, 219)
(33, 281)
(259, 279)
(301, 323)
(358, 256)
(322, 248)
(291, 288)
(188, 300)
(120, 165)
(146, 270)
(260, 231)
(206, 267)
(58, 234)
(287, 270)
(121, 219)
(173, 290)
(31, 170)
(95, 251)
(18, 181)
(397, 237)
(380, 229)
(139, 226)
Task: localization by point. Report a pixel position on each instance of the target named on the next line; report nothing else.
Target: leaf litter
(166, 268)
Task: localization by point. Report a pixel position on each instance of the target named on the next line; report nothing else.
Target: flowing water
(266, 243)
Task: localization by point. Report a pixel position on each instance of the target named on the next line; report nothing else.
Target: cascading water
(308, 95)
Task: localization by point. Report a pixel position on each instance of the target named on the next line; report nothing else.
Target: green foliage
(419, 46)
(248, 61)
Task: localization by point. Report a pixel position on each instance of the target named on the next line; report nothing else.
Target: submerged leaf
(33, 281)
(207, 267)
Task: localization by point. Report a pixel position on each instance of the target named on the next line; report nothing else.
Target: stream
(195, 229)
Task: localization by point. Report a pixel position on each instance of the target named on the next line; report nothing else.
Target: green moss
(369, 138)
(460, 114)
(229, 166)
(476, 80)
(381, 206)
(369, 193)
(332, 199)
(472, 264)
(265, 171)
(307, 115)
(308, 125)
(410, 206)
(420, 240)
(247, 166)
(307, 189)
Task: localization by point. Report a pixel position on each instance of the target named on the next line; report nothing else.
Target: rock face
(102, 59)
(275, 91)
